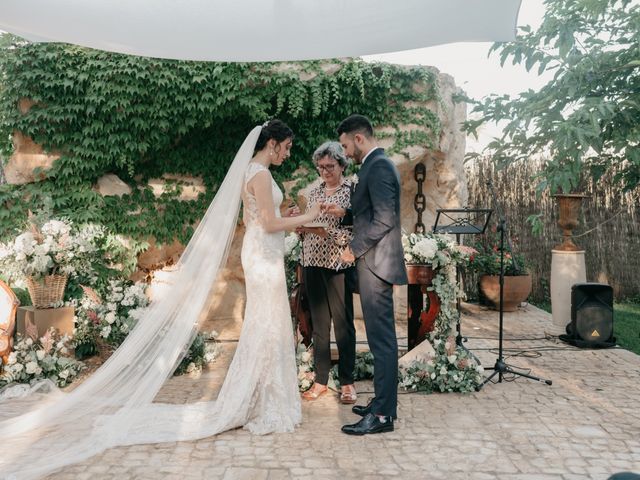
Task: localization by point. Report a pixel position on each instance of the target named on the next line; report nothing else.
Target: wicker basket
(46, 291)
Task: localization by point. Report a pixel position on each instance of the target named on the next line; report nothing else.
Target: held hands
(334, 209)
(292, 211)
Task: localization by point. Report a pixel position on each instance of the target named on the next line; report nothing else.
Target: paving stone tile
(585, 426)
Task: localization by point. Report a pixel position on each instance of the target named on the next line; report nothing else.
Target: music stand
(461, 221)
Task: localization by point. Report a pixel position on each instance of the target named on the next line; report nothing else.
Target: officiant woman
(329, 282)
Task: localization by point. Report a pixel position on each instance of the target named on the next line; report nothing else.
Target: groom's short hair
(356, 124)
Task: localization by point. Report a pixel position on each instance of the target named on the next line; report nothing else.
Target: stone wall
(445, 187)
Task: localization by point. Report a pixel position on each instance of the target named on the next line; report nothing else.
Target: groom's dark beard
(357, 155)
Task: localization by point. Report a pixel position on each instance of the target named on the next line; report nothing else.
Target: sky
(474, 72)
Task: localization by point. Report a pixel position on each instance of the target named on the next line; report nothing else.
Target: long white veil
(115, 405)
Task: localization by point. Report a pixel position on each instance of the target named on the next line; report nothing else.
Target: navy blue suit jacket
(375, 215)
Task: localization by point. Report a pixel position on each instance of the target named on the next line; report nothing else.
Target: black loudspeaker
(591, 316)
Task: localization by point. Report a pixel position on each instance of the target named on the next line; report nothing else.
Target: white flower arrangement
(111, 318)
(54, 248)
(44, 358)
(435, 250)
(203, 351)
(292, 245)
(452, 368)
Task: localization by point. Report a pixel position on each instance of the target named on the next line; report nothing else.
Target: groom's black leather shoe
(370, 423)
(362, 410)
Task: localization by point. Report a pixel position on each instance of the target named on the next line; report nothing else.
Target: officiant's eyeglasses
(327, 168)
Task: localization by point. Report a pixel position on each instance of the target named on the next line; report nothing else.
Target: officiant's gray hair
(332, 150)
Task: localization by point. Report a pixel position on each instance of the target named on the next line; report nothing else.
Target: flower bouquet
(435, 250)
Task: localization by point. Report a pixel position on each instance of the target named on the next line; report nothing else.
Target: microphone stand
(501, 367)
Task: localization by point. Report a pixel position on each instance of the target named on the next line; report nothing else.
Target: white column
(567, 269)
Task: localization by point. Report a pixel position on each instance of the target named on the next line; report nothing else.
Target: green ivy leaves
(141, 118)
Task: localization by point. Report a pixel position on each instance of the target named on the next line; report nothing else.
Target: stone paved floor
(585, 426)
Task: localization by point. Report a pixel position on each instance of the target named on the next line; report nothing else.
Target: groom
(377, 249)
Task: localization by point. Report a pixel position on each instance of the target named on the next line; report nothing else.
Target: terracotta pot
(569, 210)
(516, 290)
(419, 274)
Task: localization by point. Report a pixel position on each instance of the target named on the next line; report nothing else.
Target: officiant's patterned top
(325, 252)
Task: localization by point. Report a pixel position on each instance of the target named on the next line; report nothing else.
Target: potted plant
(517, 280)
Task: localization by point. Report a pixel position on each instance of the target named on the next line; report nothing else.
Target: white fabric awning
(259, 30)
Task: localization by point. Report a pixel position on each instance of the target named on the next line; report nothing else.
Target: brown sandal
(314, 393)
(348, 395)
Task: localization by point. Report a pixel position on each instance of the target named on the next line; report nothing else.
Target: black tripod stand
(501, 367)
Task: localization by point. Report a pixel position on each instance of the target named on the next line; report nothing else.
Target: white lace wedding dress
(47, 429)
(260, 390)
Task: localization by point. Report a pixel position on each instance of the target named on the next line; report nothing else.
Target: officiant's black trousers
(376, 297)
(331, 298)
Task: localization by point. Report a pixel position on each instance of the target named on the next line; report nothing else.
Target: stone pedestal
(567, 269)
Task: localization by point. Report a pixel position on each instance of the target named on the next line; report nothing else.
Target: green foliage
(141, 118)
(487, 259)
(627, 325)
(203, 350)
(586, 119)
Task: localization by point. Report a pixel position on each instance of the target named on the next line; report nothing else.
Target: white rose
(305, 357)
(433, 376)
(18, 367)
(13, 357)
(31, 367)
(443, 370)
(64, 374)
(40, 354)
(452, 358)
(110, 317)
(29, 342)
(104, 333)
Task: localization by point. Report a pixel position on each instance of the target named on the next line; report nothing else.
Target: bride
(115, 405)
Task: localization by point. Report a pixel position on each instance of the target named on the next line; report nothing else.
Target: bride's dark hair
(273, 129)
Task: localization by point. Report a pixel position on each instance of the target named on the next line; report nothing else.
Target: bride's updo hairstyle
(273, 129)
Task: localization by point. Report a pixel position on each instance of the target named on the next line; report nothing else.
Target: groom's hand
(347, 255)
(334, 209)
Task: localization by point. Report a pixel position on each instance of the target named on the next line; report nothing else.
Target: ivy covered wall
(140, 118)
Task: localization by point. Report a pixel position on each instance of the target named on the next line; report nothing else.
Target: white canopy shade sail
(259, 30)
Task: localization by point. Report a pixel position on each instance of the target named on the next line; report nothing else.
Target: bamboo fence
(609, 230)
